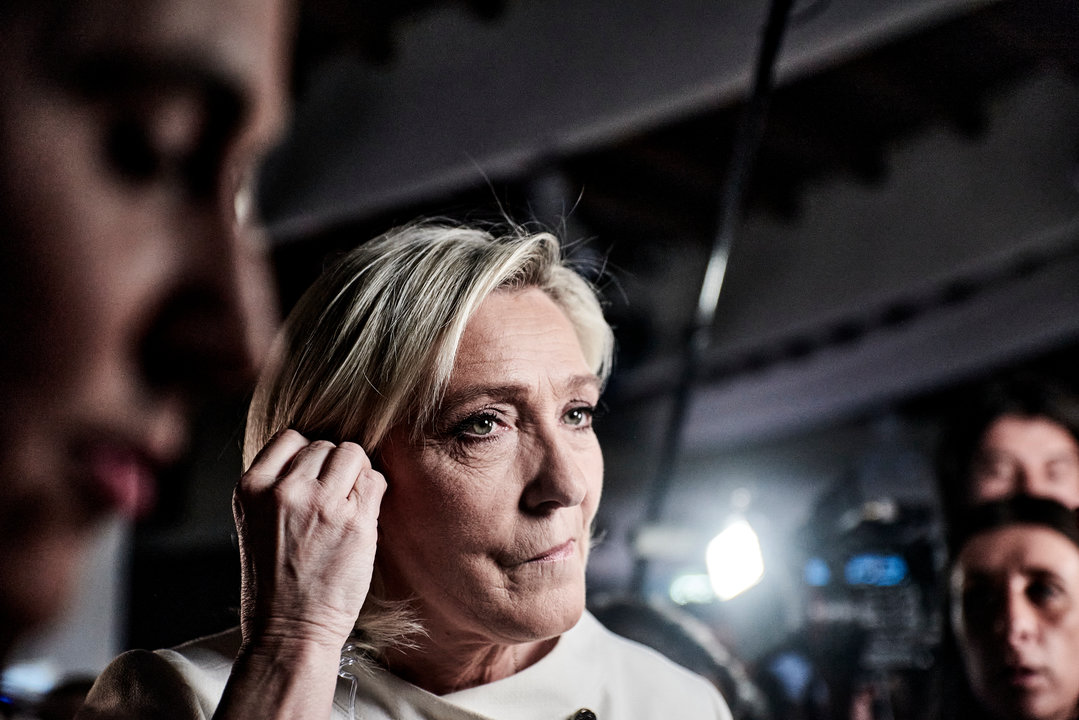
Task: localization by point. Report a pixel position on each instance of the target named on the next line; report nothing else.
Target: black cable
(732, 193)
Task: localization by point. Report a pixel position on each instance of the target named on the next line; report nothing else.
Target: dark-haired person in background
(1015, 610)
(1020, 435)
(130, 286)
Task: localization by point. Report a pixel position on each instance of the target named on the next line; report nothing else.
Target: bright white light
(695, 588)
(29, 678)
(734, 560)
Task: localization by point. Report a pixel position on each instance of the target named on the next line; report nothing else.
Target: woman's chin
(543, 616)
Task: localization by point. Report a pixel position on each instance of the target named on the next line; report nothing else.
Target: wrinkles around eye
(489, 424)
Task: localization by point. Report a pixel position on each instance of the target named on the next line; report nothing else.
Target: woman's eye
(480, 425)
(579, 416)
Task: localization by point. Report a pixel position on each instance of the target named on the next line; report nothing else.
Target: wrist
(291, 642)
(281, 676)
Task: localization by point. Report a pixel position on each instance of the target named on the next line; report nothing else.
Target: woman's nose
(557, 478)
(216, 320)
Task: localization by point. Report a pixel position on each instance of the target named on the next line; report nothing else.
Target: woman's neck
(445, 667)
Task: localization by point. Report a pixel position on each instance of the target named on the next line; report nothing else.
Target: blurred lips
(120, 478)
(1023, 677)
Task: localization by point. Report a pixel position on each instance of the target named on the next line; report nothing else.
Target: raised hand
(307, 517)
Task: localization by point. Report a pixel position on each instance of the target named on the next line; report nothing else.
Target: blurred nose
(1018, 621)
(212, 328)
(557, 479)
(1028, 480)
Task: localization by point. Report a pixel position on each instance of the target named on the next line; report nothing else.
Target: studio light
(734, 560)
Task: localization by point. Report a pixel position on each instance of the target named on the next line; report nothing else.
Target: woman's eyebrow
(470, 393)
(514, 391)
(587, 381)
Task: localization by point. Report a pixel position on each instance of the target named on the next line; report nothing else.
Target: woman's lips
(122, 479)
(555, 554)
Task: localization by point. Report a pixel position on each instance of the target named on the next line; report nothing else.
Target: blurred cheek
(974, 648)
(52, 281)
(41, 574)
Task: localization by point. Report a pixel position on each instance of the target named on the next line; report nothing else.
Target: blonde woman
(441, 380)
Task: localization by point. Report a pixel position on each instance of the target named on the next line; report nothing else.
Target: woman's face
(486, 520)
(1015, 599)
(127, 289)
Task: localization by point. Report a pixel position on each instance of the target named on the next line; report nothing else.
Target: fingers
(270, 462)
(289, 458)
(347, 469)
(307, 463)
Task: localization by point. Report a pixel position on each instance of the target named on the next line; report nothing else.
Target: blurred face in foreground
(1031, 455)
(486, 519)
(128, 286)
(1015, 599)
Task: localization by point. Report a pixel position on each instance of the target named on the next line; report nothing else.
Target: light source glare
(695, 588)
(734, 560)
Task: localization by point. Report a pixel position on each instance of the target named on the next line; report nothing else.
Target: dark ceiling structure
(905, 227)
(655, 190)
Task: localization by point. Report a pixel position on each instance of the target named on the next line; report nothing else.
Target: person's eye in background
(1047, 593)
(994, 467)
(178, 136)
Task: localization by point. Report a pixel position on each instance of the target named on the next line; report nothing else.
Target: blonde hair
(374, 340)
